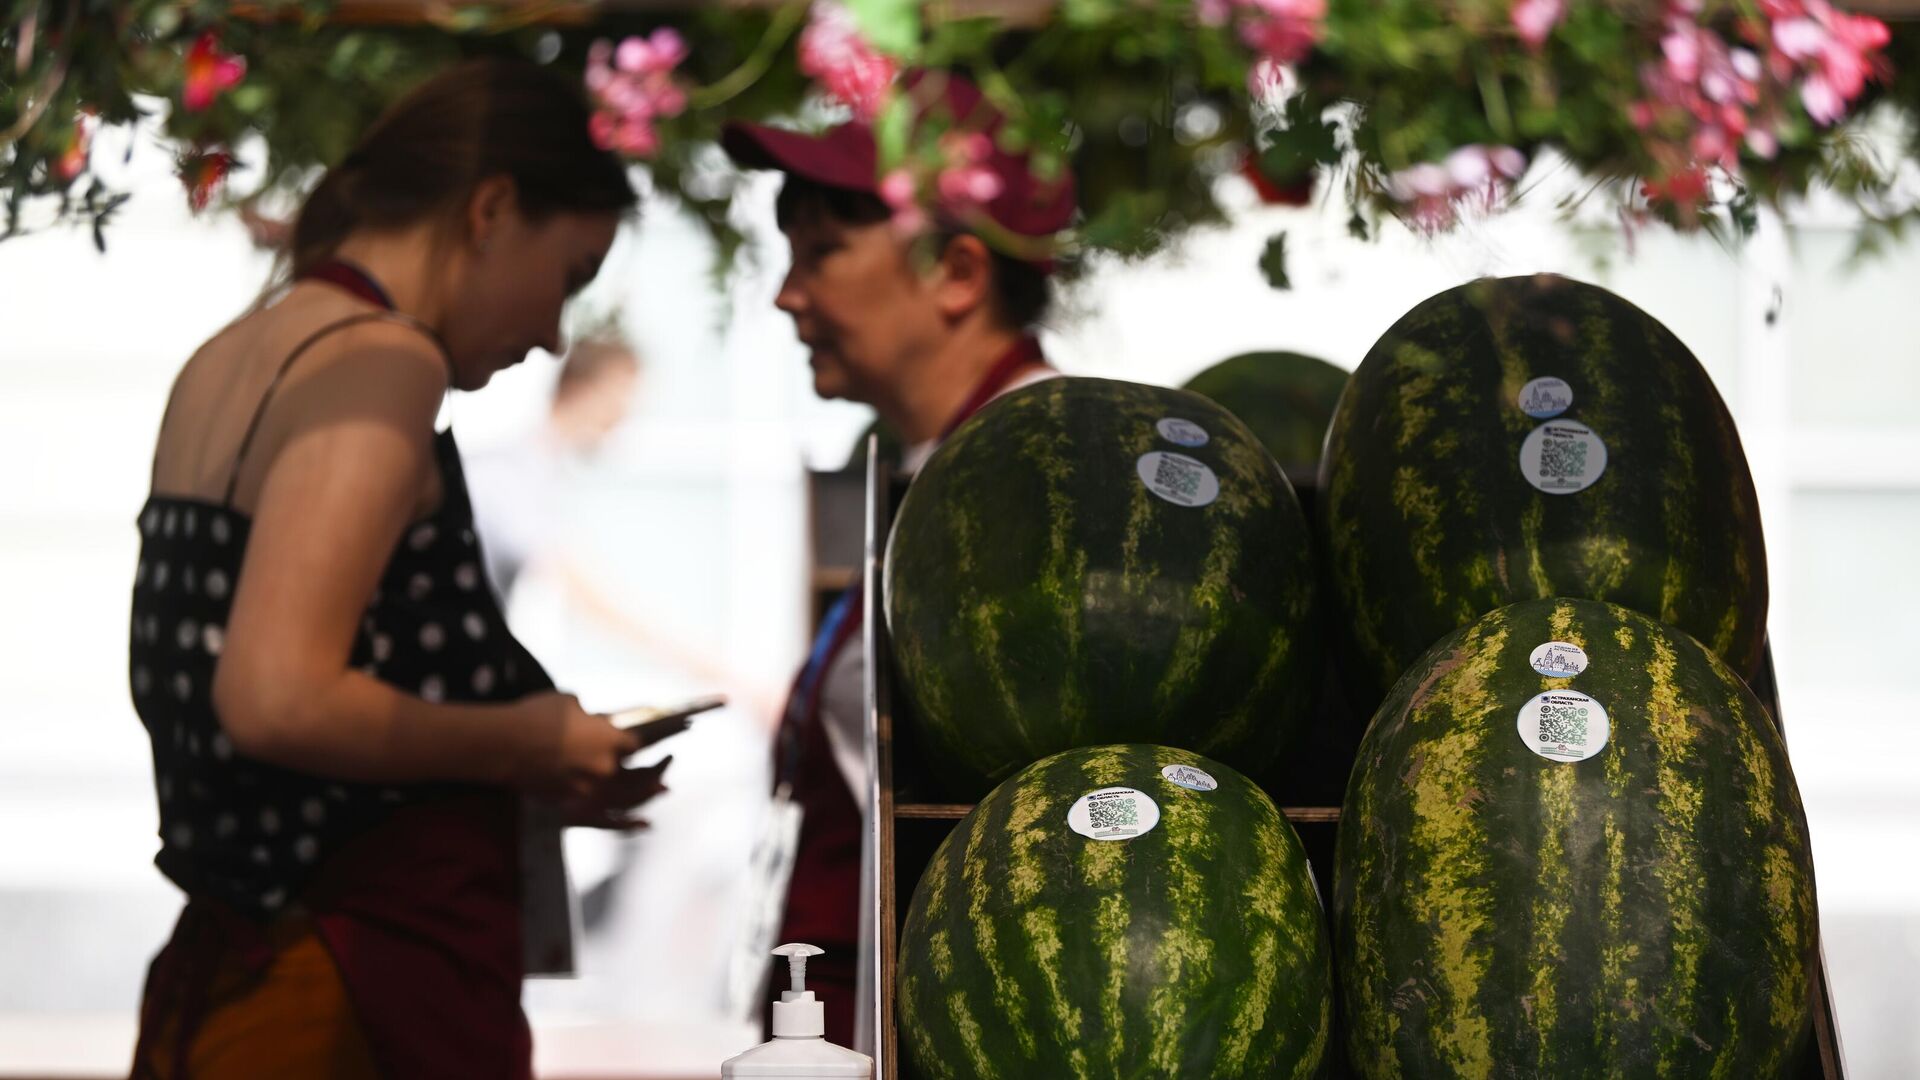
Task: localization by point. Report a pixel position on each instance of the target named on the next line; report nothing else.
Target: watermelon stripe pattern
(1041, 595)
(1430, 519)
(1195, 949)
(1647, 911)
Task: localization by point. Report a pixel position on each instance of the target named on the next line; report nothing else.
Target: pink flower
(969, 184)
(1836, 50)
(1682, 49)
(1271, 83)
(632, 86)
(832, 52)
(1823, 101)
(1832, 51)
(1473, 175)
(1534, 20)
(1468, 168)
(1799, 39)
(73, 160)
(1283, 31)
(965, 181)
(209, 73)
(896, 188)
(1702, 87)
(660, 53)
(899, 191)
(1684, 189)
(1508, 162)
(203, 172)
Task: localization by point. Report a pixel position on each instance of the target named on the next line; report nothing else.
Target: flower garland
(1684, 111)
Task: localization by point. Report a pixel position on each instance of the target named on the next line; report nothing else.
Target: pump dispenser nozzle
(798, 1014)
(796, 955)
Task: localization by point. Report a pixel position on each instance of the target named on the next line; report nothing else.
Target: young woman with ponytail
(343, 728)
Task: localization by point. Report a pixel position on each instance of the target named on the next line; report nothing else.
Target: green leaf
(1745, 212)
(1273, 262)
(892, 130)
(891, 26)
(1088, 13)
(956, 40)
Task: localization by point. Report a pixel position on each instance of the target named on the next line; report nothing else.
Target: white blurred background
(692, 523)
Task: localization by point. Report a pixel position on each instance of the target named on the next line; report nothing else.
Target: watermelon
(1527, 437)
(1285, 398)
(1117, 911)
(1598, 872)
(1088, 561)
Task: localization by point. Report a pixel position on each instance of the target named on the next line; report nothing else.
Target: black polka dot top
(251, 833)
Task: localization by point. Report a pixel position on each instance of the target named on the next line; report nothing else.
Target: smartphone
(642, 715)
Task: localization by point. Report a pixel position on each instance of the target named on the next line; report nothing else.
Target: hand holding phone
(651, 725)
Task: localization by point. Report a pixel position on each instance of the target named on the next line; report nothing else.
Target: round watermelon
(1572, 847)
(1285, 398)
(1526, 437)
(1089, 561)
(1117, 911)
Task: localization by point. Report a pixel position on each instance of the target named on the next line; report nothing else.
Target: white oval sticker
(1115, 813)
(1561, 457)
(1177, 478)
(1181, 432)
(1189, 777)
(1545, 397)
(1559, 659)
(1564, 725)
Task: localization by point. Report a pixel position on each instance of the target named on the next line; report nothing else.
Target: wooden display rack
(904, 825)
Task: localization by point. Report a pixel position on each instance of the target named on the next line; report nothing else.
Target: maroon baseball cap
(847, 157)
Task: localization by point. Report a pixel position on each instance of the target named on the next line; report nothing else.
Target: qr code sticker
(1114, 814)
(1563, 459)
(1117, 813)
(1563, 724)
(1177, 478)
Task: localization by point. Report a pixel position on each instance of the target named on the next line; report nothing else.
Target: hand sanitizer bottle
(798, 1048)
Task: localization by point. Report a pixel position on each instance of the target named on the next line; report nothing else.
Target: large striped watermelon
(1526, 437)
(1602, 872)
(1089, 561)
(1117, 911)
(1285, 398)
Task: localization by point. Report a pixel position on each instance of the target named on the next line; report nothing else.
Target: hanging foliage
(1691, 112)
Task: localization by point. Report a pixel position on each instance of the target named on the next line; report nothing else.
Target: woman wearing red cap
(926, 342)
